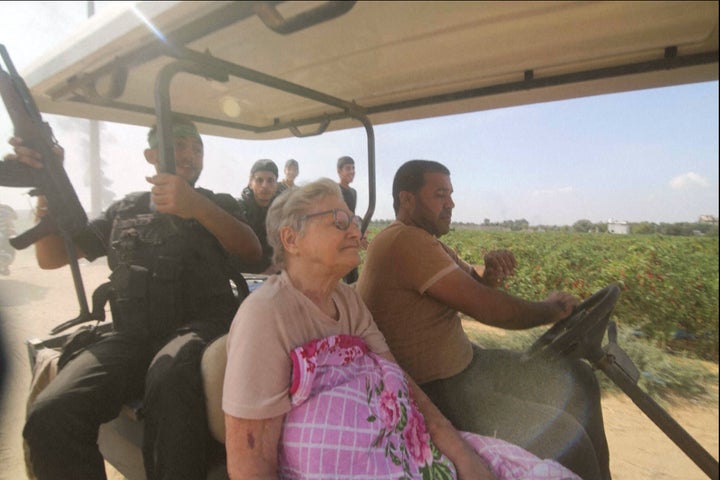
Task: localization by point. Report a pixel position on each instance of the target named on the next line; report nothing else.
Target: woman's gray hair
(289, 210)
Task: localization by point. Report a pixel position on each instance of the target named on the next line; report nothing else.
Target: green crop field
(669, 284)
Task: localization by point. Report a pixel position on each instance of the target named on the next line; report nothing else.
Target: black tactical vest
(167, 272)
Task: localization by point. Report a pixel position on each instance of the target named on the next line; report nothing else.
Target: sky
(650, 155)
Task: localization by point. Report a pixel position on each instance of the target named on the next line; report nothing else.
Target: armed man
(168, 250)
(255, 201)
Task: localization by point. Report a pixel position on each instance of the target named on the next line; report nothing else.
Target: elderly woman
(311, 388)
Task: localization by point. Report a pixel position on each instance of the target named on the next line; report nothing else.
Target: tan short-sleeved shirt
(270, 323)
(425, 336)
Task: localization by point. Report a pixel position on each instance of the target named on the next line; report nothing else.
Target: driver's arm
(460, 291)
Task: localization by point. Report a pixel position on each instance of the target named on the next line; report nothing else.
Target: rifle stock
(64, 208)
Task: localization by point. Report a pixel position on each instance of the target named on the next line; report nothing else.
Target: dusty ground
(640, 450)
(33, 301)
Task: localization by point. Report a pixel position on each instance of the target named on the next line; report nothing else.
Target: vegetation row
(669, 284)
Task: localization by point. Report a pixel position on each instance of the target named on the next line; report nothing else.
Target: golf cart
(266, 70)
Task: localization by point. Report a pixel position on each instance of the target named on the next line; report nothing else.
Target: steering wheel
(580, 334)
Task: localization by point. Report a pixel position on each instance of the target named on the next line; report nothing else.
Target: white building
(708, 219)
(618, 227)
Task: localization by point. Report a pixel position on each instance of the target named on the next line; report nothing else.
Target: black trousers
(551, 409)
(62, 425)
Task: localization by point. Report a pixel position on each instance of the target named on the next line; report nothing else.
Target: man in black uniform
(168, 250)
(255, 202)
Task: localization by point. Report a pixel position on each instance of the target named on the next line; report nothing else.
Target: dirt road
(33, 301)
(640, 450)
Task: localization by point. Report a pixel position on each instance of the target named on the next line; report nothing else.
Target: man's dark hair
(342, 161)
(410, 177)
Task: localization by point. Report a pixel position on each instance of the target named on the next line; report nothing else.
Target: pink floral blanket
(353, 417)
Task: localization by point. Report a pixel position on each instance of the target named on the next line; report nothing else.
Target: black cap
(264, 165)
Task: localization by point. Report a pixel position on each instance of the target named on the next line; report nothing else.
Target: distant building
(618, 227)
(711, 219)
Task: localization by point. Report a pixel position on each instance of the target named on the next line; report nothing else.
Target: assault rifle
(65, 215)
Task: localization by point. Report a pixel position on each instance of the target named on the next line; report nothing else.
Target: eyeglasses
(341, 219)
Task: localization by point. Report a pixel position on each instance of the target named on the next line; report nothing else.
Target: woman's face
(325, 245)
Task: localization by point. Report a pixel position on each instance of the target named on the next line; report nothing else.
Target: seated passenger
(346, 175)
(254, 202)
(311, 389)
(415, 286)
(171, 296)
(291, 170)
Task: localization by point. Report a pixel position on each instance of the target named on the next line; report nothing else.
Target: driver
(415, 286)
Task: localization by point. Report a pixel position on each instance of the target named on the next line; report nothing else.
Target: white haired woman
(311, 388)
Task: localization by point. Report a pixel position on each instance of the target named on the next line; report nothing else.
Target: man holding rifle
(168, 250)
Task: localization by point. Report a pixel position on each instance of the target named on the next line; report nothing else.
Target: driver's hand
(28, 156)
(499, 265)
(563, 304)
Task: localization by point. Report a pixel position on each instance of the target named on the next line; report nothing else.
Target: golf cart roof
(275, 69)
